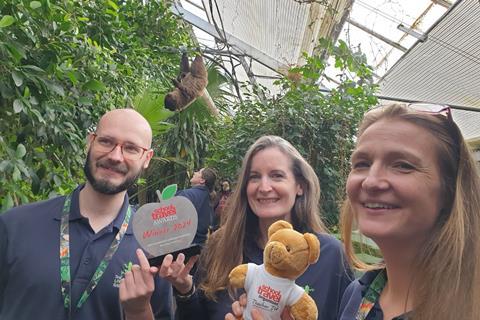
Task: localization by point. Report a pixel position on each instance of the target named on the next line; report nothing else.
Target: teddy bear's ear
(278, 225)
(313, 247)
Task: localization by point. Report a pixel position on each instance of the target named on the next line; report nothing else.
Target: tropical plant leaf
(17, 78)
(17, 106)
(16, 51)
(35, 4)
(21, 151)
(94, 85)
(369, 259)
(6, 21)
(151, 105)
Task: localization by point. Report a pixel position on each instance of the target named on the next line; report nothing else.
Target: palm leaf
(150, 104)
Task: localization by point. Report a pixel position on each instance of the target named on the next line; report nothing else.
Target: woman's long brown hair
(225, 248)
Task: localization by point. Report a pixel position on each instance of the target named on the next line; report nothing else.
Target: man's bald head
(128, 125)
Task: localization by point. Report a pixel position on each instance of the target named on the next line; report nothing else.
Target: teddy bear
(271, 287)
(189, 85)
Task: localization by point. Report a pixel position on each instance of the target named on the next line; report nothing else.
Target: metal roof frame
(429, 70)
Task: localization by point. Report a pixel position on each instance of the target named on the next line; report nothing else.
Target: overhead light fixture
(420, 36)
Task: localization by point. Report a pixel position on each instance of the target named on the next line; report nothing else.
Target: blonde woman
(414, 189)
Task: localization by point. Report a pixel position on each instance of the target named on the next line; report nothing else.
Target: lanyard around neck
(372, 295)
(65, 257)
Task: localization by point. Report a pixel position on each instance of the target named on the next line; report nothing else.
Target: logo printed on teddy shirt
(268, 298)
(269, 293)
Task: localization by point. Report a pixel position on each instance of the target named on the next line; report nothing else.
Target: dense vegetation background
(63, 64)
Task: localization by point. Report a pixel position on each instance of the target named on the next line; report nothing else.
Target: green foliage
(62, 65)
(320, 125)
(149, 103)
(365, 249)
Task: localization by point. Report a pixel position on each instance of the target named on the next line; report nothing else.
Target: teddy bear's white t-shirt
(268, 293)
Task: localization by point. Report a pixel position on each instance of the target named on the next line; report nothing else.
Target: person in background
(65, 258)
(275, 183)
(202, 194)
(414, 189)
(220, 204)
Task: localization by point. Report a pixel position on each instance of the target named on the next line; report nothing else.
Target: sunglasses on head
(432, 108)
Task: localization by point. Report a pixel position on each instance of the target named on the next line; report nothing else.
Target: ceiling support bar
(377, 35)
(238, 45)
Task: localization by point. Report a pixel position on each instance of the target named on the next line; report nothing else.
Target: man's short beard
(103, 186)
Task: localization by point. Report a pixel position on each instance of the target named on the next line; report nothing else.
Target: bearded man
(67, 257)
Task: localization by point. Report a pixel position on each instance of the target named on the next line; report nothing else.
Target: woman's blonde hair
(226, 246)
(447, 283)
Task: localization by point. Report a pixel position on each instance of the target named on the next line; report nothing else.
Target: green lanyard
(372, 295)
(65, 257)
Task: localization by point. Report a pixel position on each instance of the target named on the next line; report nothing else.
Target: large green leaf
(94, 85)
(369, 259)
(17, 106)
(35, 4)
(55, 87)
(151, 105)
(113, 5)
(6, 21)
(17, 78)
(21, 151)
(7, 202)
(16, 51)
(357, 237)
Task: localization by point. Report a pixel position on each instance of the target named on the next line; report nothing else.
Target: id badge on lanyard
(66, 281)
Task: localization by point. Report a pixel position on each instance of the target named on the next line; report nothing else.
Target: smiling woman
(275, 183)
(394, 186)
(272, 188)
(414, 189)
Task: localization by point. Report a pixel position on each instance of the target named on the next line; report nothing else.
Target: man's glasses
(130, 151)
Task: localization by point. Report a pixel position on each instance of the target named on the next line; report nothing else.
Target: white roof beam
(311, 31)
(443, 3)
(377, 35)
(238, 45)
(195, 5)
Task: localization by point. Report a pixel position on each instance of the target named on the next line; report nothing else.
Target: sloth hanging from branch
(189, 85)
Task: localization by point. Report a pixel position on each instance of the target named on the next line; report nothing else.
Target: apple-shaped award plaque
(168, 226)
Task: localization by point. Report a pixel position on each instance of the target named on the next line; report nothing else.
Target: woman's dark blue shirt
(353, 297)
(326, 280)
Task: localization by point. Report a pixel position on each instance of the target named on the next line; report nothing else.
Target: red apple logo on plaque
(165, 226)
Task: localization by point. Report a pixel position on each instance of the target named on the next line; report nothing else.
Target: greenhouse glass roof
(422, 50)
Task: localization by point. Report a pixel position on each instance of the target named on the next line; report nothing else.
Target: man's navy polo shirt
(30, 264)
